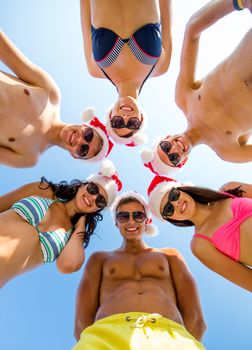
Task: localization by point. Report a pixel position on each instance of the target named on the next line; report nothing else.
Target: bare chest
(119, 267)
(26, 114)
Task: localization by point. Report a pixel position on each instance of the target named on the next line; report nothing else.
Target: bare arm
(11, 158)
(187, 294)
(30, 189)
(25, 69)
(73, 255)
(201, 20)
(236, 154)
(221, 264)
(166, 14)
(87, 299)
(246, 188)
(93, 68)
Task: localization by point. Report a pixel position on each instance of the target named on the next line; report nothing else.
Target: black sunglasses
(117, 122)
(93, 189)
(123, 216)
(83, 150)
(166, 148)
(169, 208)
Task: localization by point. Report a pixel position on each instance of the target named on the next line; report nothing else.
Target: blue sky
(37, 309)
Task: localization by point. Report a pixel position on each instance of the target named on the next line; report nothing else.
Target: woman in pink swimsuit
(223, 237)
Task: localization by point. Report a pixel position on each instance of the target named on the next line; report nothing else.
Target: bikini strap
(199, 235)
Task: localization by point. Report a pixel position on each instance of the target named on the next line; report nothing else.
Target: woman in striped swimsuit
(43, 222)
(126, 42)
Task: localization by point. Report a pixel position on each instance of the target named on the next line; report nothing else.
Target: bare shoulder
(171, 252)
(98, 257)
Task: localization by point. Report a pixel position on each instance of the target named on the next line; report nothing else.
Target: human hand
(79, 229)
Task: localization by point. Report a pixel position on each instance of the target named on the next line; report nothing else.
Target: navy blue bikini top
(145, 44)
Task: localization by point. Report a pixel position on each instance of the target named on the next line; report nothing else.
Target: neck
(128, 88)
(202, 214)
(133, 247)
(53, 133)
(194, 135)
(71, 208)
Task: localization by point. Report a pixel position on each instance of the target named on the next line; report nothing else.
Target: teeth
(86, 201)
(183, 207)
(72, 138)
(126, 108)
(131, 229)
(181, 145)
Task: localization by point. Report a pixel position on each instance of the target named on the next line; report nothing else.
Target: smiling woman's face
(184, 207)
(85, 201)
(126, 108)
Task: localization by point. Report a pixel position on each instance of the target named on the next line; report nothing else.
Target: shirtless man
(218, 108)
(29, 115)
(123, 293)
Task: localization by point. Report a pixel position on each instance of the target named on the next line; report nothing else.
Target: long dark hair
(67, 191)
(204, 196)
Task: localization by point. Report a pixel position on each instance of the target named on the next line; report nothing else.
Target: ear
(116, 223)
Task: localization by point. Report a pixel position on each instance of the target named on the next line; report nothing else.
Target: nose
(131, 220)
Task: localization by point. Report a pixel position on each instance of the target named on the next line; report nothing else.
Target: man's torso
(140, 282)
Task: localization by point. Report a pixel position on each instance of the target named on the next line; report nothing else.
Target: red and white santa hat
(88, 116)
(150, 229)
(107, 177)
(159, 186)
(137, 139)
(153, 162)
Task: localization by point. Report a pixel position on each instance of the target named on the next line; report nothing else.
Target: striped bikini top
(145, 44)
(33, 209)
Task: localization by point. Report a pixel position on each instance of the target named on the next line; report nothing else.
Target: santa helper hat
(137, 139)
(153, 162)
(93, 122)
(150, 229)
(107, 177)
(159, 186)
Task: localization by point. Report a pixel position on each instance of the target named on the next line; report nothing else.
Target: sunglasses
(83, 150)
(117, 122)
(166, 148)
(123, 216)
(93, 189)
(169, 208)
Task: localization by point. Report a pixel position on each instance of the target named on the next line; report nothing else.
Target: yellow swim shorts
(136, 331)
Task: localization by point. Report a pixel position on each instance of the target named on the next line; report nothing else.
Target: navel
(248, 81)
(161, 268)
(11, 139)
(228, 132)
(112, 270)
(27, 92)
(199, 97)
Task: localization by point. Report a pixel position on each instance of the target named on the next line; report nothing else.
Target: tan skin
(126, 72)
(30, 112)
(135, 278)
(207, 219)
(218, 117)
(19, 241)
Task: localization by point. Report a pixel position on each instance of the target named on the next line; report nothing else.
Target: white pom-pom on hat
(147, 155)
(107, 168)
(88, 114)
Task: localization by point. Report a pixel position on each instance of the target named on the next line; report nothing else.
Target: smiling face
(86, 202)
(175, 150)
(130, 229)
(79, 141)
(127, 108)
(184, 207)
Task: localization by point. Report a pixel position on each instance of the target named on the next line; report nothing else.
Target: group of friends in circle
(134, 297)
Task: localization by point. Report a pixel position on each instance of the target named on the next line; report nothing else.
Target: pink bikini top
(227, 237)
